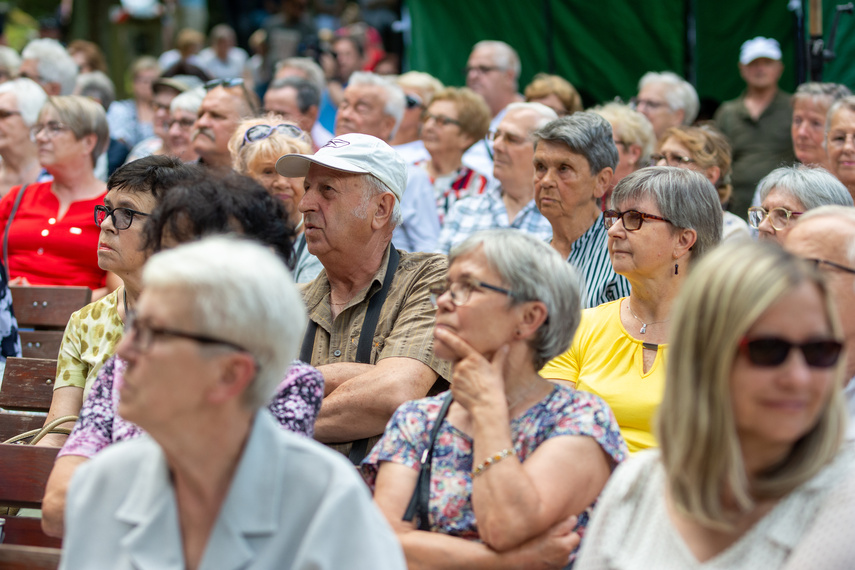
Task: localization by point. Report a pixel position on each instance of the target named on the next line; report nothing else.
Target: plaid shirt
(485, 212)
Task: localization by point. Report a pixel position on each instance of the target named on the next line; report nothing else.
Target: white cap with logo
(759, 47)
(354, 152)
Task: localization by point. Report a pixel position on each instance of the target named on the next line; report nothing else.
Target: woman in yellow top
(664, 219)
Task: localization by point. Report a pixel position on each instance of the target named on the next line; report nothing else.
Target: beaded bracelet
(491, 460)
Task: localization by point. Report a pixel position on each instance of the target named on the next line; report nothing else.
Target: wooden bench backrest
(22, 483)
(28, 384)
(47, 307)
(17, 557)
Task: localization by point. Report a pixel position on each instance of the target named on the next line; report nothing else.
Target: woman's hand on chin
(476, 381)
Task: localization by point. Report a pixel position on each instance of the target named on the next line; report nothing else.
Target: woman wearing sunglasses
(255, 147)
(50, 237)
(703, 149)
(750, 426)
(456, 119)
(664, 219)
(94, 331)
(788, 192)
(516, 456)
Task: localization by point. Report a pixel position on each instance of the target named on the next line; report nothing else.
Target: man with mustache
(354, 186)
(224, 106)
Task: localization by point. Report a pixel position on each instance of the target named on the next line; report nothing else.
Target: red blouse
(51, 251)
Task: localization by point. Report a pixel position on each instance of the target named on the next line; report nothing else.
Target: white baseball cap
(354, 152)
(759, 47)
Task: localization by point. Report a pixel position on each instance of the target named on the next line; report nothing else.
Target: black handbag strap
(6, 231)
(359, 449)
(420, 500)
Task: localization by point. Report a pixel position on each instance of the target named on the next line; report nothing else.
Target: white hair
(680, 95)
(238, 291)
(545, 114)
(504, 56)
(189, 101)
(55, 65)
(396, 101)
(307, 65)
(30, 95)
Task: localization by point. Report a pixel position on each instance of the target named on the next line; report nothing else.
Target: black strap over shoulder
(366, 338)
(421, 494)
(6, 231)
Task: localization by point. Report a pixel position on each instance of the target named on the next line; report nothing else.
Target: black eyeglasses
(671, 159)
(632, 219)
(773, 351)
(233, 82)
(440, 120)
(414, 101)
(460, 291)
(820, 262)
(122, 218)
(261, 132)
(185, 124)
(144, 335)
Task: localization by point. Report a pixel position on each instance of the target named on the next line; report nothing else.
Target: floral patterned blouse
(563, 412)
(296, 405)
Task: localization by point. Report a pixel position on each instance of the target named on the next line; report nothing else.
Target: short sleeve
(565, 366)
(71, 367)
(590, 416)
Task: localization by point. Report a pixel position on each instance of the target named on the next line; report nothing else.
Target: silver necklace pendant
(643, 328)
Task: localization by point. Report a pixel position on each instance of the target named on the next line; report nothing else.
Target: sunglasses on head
(228, 84)
(261, 132)
(772, 351)
(413, 101)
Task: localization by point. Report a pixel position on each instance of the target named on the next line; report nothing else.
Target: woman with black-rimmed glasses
(94, 331)
(664, 218)
(751, 426)
(788, 192)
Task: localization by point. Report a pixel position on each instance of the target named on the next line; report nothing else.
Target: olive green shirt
(405, 326)
(758, 147)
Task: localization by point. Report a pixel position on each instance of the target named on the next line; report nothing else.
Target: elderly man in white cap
(758, 122)
(371, 319)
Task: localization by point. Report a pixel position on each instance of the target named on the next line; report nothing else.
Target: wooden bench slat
(47, 306)
(16, 424)
(27, 531)
(18, 557)
(25, 473)
(28, 384)
(40, 344)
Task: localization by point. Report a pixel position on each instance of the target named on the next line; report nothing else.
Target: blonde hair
(84, 117)
(709, 147)
(544, 85)
(722, 298)
(472, 112)
(630, 126)
(246, 156)
(426, 84)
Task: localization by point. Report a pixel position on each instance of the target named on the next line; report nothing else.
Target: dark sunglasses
(413, 101)
(261, 132)
(772, 351)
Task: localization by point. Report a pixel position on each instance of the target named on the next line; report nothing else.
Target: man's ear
(383, 211)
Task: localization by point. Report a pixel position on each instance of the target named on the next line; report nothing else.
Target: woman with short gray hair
(509, 303)
(20, 103)
(788, 192)
(665, 218)
(810, 107)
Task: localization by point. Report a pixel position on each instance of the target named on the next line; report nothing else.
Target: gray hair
(84, 117)
(189, 101)
(629, 126)
(681, 95)
(426, 84)
(847, 103)
(241, 292)
(812, 187)
(683, 196)
(816, 91)
(307, 93)
(533, 271)
(30, 95)
(96, 85)
(586, 134)
(374, 187)
(396, 101)
(843, 213)
(9, 60)
(307, 65)
(504, 56)
(55, 65)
